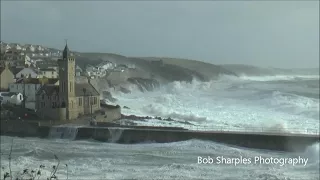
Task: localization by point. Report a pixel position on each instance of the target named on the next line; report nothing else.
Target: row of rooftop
(24, 47)
(59, 97)
(33, 72)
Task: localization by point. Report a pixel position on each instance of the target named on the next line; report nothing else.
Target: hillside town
(35, 77)
(23, 68)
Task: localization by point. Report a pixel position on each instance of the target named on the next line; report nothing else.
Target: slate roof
(49, 89)
(47, 69)
(9, 94)
(37, 81)
(90, 90)
(14, 70)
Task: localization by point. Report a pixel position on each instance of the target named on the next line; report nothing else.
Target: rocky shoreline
(145, 118)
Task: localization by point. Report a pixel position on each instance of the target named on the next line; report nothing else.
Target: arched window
(63, 104)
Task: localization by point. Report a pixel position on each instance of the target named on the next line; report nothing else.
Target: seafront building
(68, 100)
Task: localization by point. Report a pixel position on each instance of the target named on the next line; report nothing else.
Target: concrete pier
(269, 141)
(131, 134)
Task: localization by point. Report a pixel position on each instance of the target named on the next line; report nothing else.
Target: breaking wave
(278, 77)
(231, 102)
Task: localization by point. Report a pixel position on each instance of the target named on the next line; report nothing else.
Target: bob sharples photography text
(221, 160)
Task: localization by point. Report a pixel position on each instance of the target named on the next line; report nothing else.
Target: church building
(68, 100)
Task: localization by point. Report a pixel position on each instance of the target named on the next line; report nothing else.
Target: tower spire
(66, 52)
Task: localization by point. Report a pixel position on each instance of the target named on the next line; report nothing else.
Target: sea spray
(230, 102)
(115, 134)
(312, 152)
(63, 132)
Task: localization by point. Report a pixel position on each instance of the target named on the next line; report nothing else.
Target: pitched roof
(78, 70)
(37, 81)
(15, 70)
(1, 69)
(89, 89)
(49, 89)
(9, 94)
(47, 69)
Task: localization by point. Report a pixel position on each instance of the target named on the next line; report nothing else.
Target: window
(42, 96)
(80, 101)
(53, 105)
(95, 100)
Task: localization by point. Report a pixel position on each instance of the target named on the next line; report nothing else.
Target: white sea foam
(96, 160)
(229, 102)
(277, 77)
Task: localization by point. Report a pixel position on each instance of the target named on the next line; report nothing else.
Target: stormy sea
(247, 102)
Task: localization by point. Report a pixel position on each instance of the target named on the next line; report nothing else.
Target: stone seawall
(19, 128)
(130, 135)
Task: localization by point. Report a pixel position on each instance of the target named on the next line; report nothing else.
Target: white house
(16, 46)
(8, 47)
(31, 48)
(11, 98)
(48, 73)
(78, 71)
(39, 48)
(131, 66)
(27, 60)
(106, 65)
(29, 88)
(24, 48)
(26, 72)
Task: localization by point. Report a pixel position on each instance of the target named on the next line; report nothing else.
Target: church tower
(67, 80)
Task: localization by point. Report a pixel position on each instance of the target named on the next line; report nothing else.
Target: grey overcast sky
(268, 33)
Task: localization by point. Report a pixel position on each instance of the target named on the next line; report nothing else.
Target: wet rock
(124, 90)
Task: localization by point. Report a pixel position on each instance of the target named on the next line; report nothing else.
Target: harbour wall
(132, 134)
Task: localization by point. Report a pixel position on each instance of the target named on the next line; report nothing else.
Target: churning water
(290, 103)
